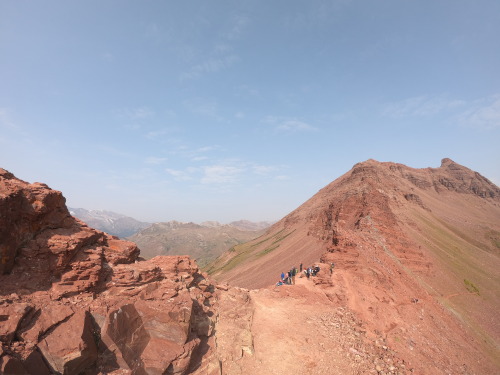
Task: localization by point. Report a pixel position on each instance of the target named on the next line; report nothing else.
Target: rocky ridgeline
(76, 300)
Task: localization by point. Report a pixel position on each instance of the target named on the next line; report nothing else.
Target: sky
(228, 110)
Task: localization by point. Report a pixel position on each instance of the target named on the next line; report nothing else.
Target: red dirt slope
(416, 255)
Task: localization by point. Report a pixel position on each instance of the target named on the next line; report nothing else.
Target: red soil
(416, 255)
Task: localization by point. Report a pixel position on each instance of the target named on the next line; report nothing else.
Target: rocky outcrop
(75, 300)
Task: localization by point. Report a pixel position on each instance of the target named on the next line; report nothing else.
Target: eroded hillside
(416, 255)
(414, 288)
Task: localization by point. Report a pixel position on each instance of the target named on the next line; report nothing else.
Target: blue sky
(228, 110)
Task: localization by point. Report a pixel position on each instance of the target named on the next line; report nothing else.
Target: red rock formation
(416, 258)
(76, 300)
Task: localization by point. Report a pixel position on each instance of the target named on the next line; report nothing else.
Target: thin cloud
(139, 113)
(421, 106)
(156, 33)
(238, 25)
(323, 13)
(211, 65)
(10, 126)
(220, 174)
(207, 148)
(207, 108)
(221, 56)
(179, 175)
(155, 160)
(154, 134)
(483, 114)
(295, 126)
(199, 158)
(246, 90)
(198, 154)
(289, 125)
(112, 150)
(204, 107)
(263, 169)
(5, 119)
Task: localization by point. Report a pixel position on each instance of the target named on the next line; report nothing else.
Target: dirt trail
(298, 329)
(301, 332)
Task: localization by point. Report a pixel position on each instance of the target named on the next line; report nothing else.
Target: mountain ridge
(414, 288)
(395, 234)
(204, 242)
(110, 222)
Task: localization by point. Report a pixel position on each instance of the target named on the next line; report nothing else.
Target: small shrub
(471, 287)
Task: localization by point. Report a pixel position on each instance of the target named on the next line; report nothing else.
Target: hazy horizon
(197, 111)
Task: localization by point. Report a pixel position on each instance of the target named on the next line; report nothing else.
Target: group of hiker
(289, 277)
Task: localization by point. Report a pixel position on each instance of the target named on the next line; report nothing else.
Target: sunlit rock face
(77, 300)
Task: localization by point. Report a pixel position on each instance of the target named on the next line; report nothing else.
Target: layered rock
(75, 300)
(415, 253)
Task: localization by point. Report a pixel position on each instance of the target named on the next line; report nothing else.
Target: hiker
(308, 273)
(282, 276)
(314, 270)
(331, 267)
(300, 267)
(292, 273)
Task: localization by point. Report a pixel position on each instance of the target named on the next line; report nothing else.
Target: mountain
(416, 255)
(75, 300)
(414, 289)
(251, 225)
(203, 242)
(110, 222)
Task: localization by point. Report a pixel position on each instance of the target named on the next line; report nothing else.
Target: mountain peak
(446, 161)
(401, 239)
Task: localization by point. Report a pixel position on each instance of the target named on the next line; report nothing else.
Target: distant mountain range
(110, 222)
(204, 242)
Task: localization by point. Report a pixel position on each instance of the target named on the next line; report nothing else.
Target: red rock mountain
(416, 254)
(414, 289)
(74, 300)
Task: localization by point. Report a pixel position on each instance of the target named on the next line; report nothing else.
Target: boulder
(11, 316)
(120, 251)
(71, 347)
(44, 319)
